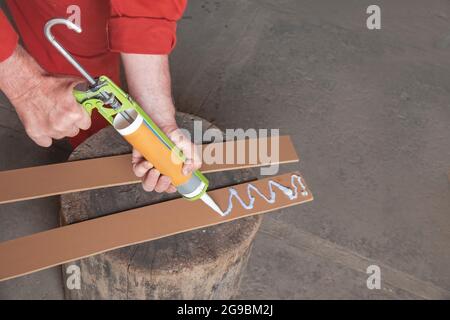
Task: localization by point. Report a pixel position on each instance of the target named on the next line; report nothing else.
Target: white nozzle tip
(210, 202)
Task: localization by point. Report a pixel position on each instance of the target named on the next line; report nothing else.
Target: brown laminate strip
(74, 176)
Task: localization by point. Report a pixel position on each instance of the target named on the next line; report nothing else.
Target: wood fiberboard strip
(72, 242)
(74, 176)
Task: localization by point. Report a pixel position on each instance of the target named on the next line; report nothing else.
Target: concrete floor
(369, 113)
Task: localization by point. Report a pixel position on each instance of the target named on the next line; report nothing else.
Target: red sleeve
(143, 26)
(8, 38)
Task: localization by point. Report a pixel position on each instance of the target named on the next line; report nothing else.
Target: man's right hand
(48, 110)
(44, 103)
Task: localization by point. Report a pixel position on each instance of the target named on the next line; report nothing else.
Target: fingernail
(147, 165)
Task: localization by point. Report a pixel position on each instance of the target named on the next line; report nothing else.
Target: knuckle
(43, 141)
(135, 169)
(58, 126)
(73, 133)
(58, 136)
(75, 115)
(85, 117)
(139, 171)
(147, 187)
(44, 144)
(84, 122)
(31, 132)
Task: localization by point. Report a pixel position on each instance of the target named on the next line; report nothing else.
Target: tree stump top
(188, 249)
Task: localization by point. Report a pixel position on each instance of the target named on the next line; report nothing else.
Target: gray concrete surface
(369, 112)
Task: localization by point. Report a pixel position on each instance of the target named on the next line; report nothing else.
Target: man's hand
(148, 80)
(152, 178)
(44, 103)
(49, 111)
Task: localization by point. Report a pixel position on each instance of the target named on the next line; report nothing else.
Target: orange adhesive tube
(142, 138)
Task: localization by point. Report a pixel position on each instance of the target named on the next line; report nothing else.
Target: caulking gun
(131, 121)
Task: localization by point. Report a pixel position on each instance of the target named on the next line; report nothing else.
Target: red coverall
(109, 27)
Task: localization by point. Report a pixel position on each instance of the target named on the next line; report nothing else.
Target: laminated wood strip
(61, 245)
(61, 178)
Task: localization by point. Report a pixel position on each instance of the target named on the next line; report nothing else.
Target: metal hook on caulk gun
(72, 26)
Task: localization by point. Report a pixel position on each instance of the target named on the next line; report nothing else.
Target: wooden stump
(200, 264)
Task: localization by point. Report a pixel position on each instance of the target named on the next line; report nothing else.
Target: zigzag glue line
(291, 194)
